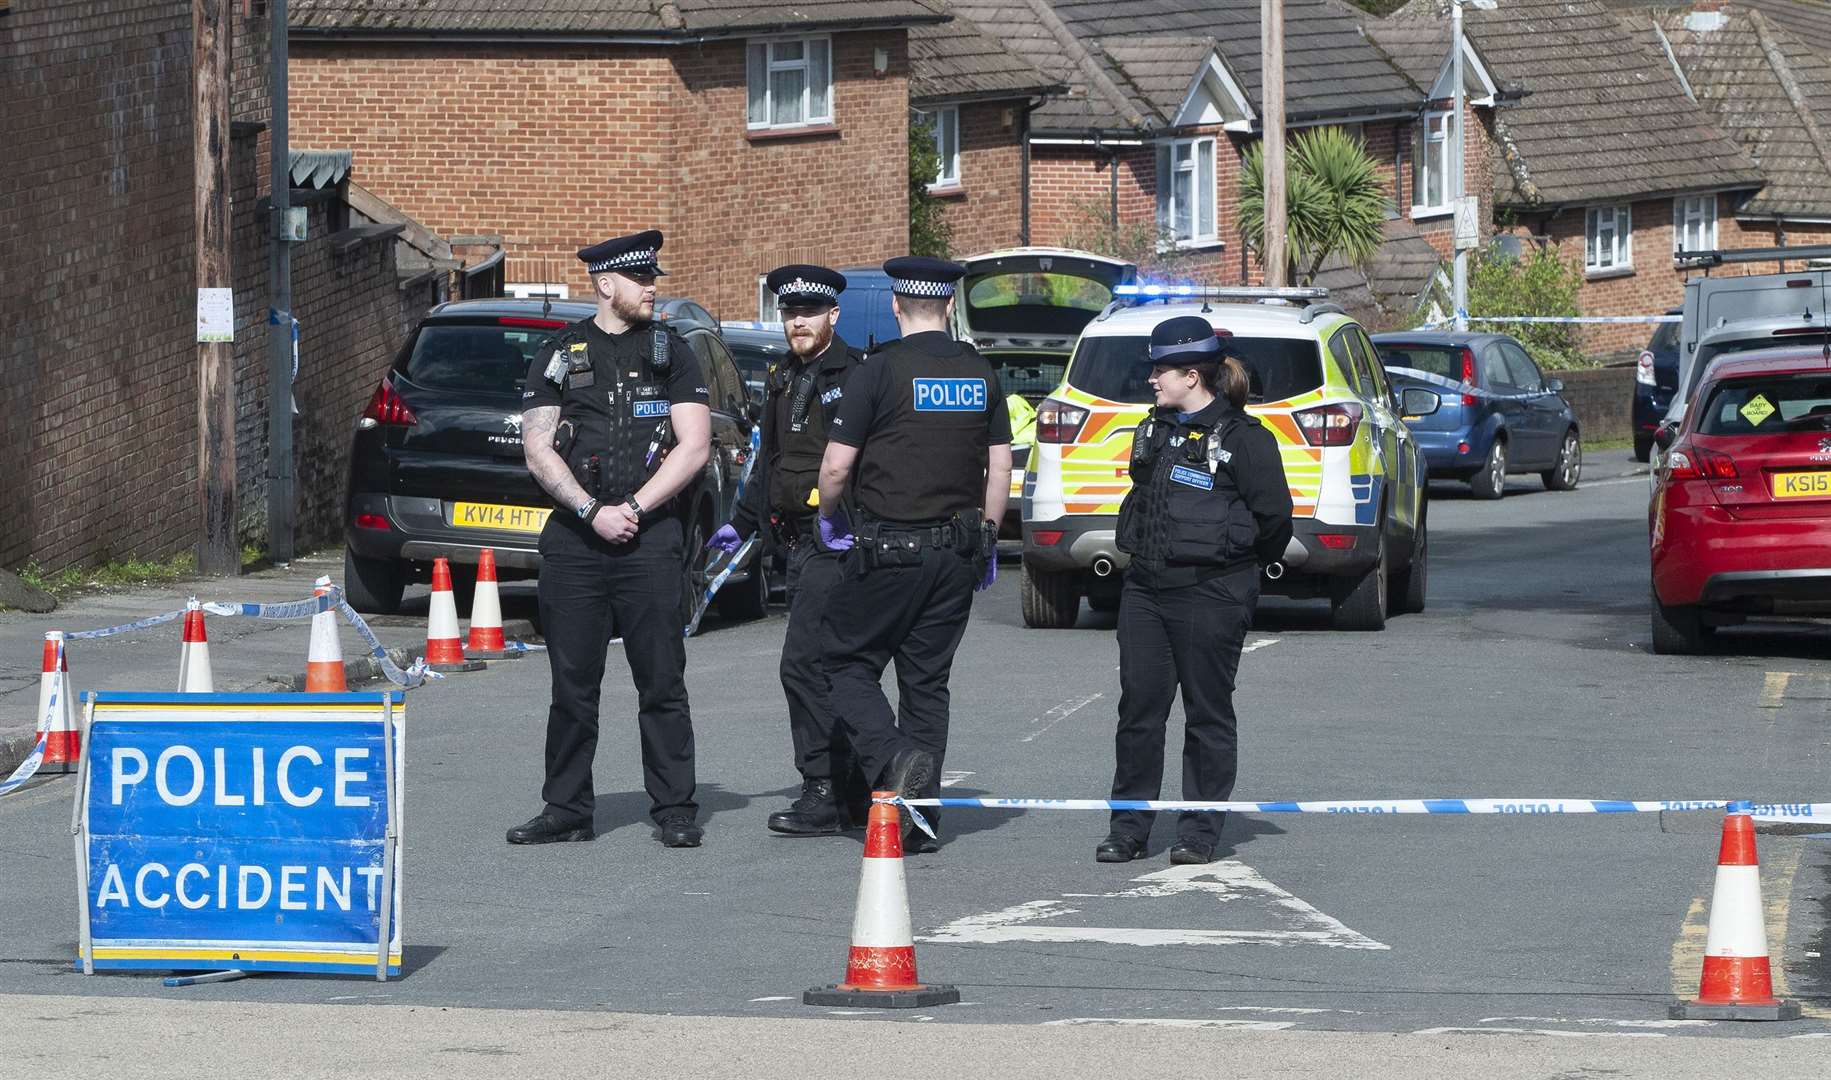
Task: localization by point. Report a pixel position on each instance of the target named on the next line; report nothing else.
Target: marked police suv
(1355, 472)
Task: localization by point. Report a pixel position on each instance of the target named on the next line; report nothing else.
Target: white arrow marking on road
(1541, 1031)
(949, 779)
(1058, 713)
(1225, 881)
(1597, 1020)
(1260, 644)
(1235, 1025)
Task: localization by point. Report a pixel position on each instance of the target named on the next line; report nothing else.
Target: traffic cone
(194, 655)
(881, 968)
(63, 738)
(1737, 983)
(324, 664)
(444, 650)
(486, 642)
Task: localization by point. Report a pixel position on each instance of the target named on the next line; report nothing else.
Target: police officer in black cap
(804, 394)
(1208, 508)
(923, 442)
(615, 423)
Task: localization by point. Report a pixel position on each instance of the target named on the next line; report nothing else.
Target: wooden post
(217, 550)
(1271, 103)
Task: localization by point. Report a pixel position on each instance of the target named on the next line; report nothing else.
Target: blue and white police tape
(718, 582)
(1535, 805)
(54, 701)
(1574, 320)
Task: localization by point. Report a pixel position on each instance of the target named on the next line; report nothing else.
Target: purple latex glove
(836, 532)
(991, 575)
(725, 539)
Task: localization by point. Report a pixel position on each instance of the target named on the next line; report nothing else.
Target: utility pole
(217, 551)
(1271, 46)
(279, 324)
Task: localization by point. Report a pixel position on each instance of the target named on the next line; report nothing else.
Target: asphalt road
(1529, 675)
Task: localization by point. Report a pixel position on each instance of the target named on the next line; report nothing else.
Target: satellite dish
(1509, 247)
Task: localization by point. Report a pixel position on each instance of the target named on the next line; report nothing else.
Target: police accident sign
(253, 832)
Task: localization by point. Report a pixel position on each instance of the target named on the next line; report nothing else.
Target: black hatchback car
(436, 466)
(1655, 381)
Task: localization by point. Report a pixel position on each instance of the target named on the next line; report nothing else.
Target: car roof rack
(1707, 259)
(1132, 295)
(1310, 311)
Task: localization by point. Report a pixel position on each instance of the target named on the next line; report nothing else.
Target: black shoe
(1118, 847)
(917, 842)
(815, 813)
(678, 830)
(909, 774)
(1191, 852)
(547, 829)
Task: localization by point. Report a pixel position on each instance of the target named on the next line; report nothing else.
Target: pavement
(1532, 946)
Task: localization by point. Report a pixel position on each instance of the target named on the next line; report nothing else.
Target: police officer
(1208, 507)
(923, 442)
(804, 393)
(614, 424)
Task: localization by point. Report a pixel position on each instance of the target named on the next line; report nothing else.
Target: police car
(1355, 472)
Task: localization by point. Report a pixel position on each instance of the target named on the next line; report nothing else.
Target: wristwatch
(587, 510)
(635, 508)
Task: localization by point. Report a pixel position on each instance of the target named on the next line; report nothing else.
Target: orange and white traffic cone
(486, 641)
(63, 738)
(194, 675)
(1737, 983)
(324, 664)
(881, 968)
(444, 649)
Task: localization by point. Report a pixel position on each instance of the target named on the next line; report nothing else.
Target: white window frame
(1436, 145)
(537, 290)
(1617, 223)
(764, 50)
(1166, 190)
(1694, 214)
(945, 122)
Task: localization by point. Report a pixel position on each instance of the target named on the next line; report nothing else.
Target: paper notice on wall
(215, 314)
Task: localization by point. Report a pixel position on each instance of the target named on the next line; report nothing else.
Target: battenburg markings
(1195, 478)
(650, 408)
(950, 395)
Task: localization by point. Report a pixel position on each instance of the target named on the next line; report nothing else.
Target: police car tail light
(371, 521)
(386, 409)
(1329, 425)
(1643, 369)
(1695, 463)
(1468, 374)
(1059, 422)
(1046, 537)
(531, 323)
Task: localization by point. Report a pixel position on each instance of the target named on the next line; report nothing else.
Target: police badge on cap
(633, 254)
(800, 284)
(1186, 339)
(919, 275)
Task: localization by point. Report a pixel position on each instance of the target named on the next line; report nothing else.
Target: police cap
(1186, 339)
(632, 254)
(920, 275)
(803, 284)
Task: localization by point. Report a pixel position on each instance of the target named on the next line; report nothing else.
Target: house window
(1608, 241)
(944, 125)
(1694, 223)
(1185, 191)
(1430, 179)
(791, 83)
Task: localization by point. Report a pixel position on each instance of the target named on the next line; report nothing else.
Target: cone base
(493, 654)
(1698, 1010)
(446, 669)
(914, 997)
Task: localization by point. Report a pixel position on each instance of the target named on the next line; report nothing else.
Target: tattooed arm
(549, 469)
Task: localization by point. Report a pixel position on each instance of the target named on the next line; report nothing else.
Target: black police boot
(678, 830)
(547, 829)
(917, 842)
(815, 813)
(1191, 852)
(1118, 847)
(909, 773)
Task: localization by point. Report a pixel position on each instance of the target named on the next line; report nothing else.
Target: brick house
(752, 134)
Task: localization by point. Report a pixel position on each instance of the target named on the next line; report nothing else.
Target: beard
(637, 309)
(811, 342)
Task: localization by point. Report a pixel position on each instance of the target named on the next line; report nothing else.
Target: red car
(1741, 514)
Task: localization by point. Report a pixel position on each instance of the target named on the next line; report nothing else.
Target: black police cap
(1186, 339)
(920, 275)
(799, 283)
(632, 254)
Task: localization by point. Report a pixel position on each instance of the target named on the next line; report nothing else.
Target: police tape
(29, 767)
(1803, 811)
(718, 582)
(1577, 320)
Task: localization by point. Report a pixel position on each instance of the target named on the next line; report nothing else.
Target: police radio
(661, 351)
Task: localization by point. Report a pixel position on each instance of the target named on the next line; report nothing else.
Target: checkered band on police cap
(639, 257)
(920, 275)
(634, 252)
(803, 287)
(919, 287)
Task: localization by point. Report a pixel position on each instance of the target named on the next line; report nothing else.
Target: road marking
(1778, 870)
(1635, 478)
(1058, 713)
(949, 779)
(1608, 1021)
(1283, 1009)
(1773, 689)
(753, 1001)
(1118, 1021)
(1541, 1031)
(1226, 881)
(1260, 644)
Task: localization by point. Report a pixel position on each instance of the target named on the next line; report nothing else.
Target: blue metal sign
(255, 832)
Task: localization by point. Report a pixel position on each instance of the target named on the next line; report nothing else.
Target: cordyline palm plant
(1335, 203)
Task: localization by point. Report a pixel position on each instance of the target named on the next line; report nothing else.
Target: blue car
(1655, 381)
(1500, 415)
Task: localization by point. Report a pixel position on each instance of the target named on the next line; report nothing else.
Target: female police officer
(1208, 506)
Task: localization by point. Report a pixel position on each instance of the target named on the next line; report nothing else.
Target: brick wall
(557, 146)
(986, 211)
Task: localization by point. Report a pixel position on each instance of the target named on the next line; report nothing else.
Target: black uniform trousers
(584, 584)
(1187, 636)
(821, 749)
(915, 616)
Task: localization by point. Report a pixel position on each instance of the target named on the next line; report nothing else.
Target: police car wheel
(1406, 594)
(1051, 600)
(372, 586)
(748, 599)
(1361, 605)
(693, 581)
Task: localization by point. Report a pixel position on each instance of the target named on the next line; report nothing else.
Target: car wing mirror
(1665, 435)
(1556, 386)
(1415, 401)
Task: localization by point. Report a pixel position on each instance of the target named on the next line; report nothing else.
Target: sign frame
(381, 955)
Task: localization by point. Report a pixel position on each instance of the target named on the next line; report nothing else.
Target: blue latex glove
(991, 575)
(725, 539)
(836, 532)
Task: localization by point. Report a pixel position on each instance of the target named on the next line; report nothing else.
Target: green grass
(110, 575)
(1625, 442)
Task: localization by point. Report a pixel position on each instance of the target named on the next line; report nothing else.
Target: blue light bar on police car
(1219, 292)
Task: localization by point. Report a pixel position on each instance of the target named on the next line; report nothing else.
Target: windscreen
(1769, 404)
(1034, 303)
(489, 358)
(1115, 368)
(1665, 339)
(1033, 376)
(1444, 360)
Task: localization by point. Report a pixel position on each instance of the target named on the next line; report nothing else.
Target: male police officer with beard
(923, 441)
(603, 402)
(804, 395)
